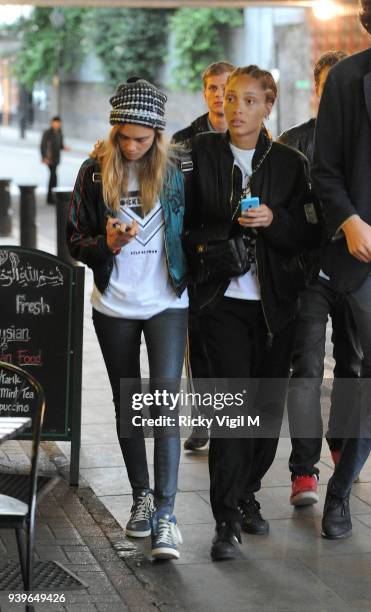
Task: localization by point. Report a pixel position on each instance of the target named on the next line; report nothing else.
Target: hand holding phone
(119, 234)
(247, 203)
(117, 226)
(260, 215)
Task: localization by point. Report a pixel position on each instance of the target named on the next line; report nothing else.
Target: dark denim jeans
(317, 302)
(120, 339)
(357, 449)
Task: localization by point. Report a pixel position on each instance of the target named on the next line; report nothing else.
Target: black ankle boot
(251, 518)
(336, 521)
(225, 543)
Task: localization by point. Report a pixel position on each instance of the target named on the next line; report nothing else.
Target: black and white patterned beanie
(138, 101)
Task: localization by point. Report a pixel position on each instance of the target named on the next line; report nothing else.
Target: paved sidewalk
(75, 529)
(291, 569)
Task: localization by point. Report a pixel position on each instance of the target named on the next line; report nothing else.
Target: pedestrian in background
(214, 79)
(125, 222)
(342, 178)
(317, 302)
(51, 146)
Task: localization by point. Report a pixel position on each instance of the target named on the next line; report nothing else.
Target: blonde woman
(125, 223)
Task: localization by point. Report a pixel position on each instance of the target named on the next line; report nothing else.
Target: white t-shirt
(139, 286)
(244, 287)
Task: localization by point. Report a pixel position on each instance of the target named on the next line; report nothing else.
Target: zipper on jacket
(168, 264)
(270, 334)
(212, 298)
(221, 283)
(231, 198)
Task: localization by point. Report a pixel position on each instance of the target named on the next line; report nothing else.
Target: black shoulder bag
(212, 253)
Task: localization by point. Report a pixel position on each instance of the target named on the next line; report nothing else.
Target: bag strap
(186, 164)
(247, 189)
(96, 178)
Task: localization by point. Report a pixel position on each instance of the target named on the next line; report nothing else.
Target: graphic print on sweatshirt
(139, 286)
(149, 225)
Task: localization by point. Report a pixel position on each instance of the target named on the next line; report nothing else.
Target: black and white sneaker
(225, 544)
(251, 518)
(336, 520)
(198, 440)
(165, 538)
(139, 523)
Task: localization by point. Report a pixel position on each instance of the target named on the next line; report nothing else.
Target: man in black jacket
(214, 79)
(317, 302)
(51, 147)
(341, 172)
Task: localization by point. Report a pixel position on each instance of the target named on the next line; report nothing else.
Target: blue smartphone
(247, 203)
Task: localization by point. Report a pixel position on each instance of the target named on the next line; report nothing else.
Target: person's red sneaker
(335, 457)
(304, 491)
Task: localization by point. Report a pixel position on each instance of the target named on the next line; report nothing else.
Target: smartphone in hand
(247, 203)
(117, 226)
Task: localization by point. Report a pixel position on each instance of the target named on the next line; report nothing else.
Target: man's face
(322, 80)
(214, 92)
(56, 125)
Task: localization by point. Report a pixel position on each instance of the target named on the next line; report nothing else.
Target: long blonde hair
(115, 170)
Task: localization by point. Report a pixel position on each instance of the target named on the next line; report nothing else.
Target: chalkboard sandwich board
(41, 325)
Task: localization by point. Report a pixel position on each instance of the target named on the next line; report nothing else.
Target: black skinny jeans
(119, 339)
(235, 333)
(317, 302)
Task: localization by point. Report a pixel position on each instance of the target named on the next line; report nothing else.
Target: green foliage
(198, 41)
(49, 49)
(130, 42)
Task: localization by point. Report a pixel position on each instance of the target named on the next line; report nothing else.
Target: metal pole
(28, 216)
(5, 208)
(63, 197)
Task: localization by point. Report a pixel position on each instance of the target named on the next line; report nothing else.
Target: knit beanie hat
(138, 101)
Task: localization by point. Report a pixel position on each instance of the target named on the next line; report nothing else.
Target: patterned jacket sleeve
(86, 225)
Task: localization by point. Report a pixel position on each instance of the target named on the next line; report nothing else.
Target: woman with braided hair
(248, 316)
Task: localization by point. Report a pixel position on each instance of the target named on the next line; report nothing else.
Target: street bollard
(28, 216)
(62, 197)
(5, 208)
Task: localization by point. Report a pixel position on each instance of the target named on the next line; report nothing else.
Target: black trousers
(318, 301)
(236, 337)
(200, 367)
(52, 183)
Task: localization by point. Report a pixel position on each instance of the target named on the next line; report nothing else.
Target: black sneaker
(336, 521)
(198, 440)
(139, 523)
(251, 518)
(225, 542)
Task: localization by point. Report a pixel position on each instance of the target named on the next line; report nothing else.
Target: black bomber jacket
(198, 126)
(301, 137)
(282, 183)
